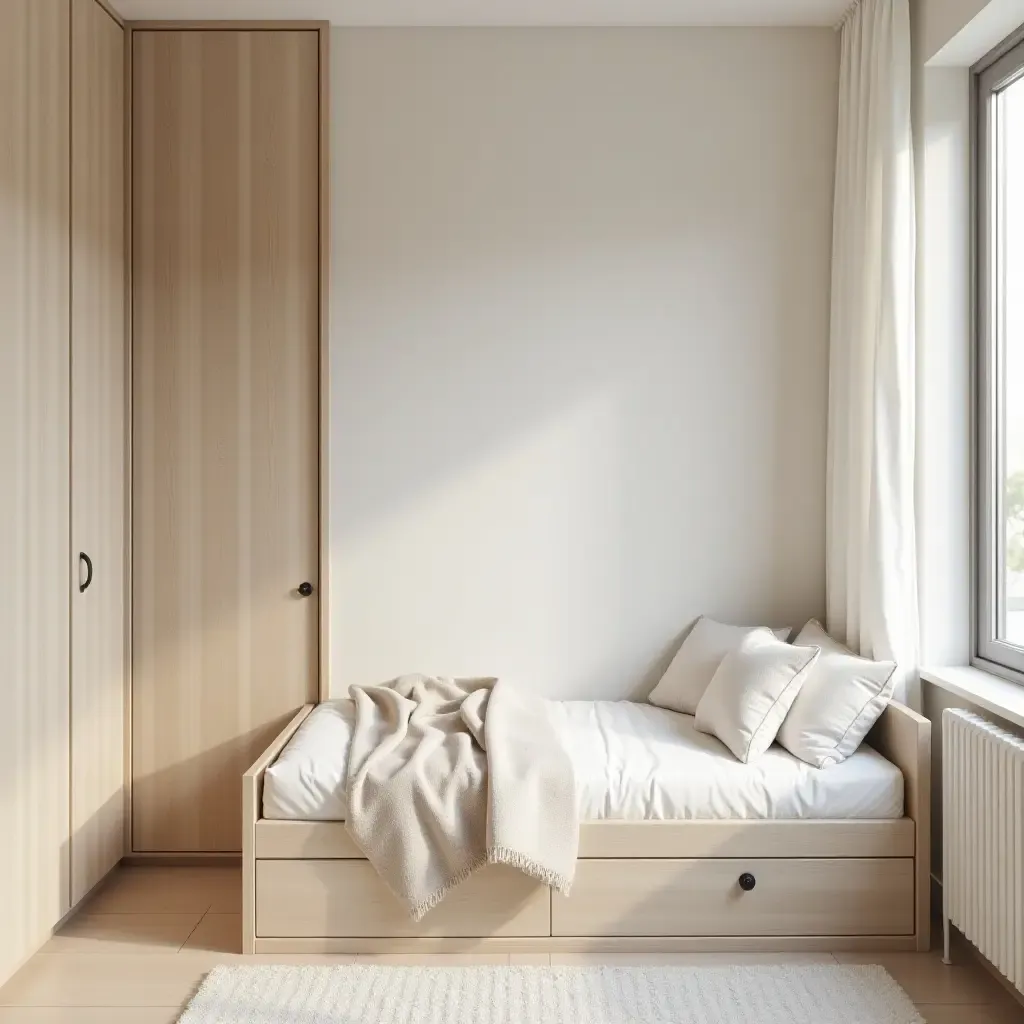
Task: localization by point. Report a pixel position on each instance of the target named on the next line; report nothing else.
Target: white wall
(942, 150)
(579, 342)
(942, 145)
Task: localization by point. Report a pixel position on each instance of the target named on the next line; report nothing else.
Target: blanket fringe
(513, 858)
(495, 855)
(418, 910)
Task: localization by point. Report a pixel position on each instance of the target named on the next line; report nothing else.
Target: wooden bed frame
(641, 886)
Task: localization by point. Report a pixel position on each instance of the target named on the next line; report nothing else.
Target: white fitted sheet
(633, 762)
(639, 762)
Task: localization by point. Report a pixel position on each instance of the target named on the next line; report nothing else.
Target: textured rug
(550, 995)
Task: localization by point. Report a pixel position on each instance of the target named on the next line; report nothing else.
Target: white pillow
(753, 689)
(686, 679)
(841, 700)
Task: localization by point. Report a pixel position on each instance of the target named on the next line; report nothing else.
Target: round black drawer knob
(747, 881)
(305, 589)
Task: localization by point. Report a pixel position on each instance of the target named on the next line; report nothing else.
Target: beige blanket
(446, 775)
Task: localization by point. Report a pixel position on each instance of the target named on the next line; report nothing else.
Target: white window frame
(1001, 68)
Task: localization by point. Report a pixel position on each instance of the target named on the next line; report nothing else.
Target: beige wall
(579, 341)
(958, 33)
(941, 20)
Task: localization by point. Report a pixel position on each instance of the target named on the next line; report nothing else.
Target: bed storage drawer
(868, 896)
(346, 899)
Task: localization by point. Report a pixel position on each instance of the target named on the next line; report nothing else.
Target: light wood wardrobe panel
(97, 443)
(34, 463)
(225, 225)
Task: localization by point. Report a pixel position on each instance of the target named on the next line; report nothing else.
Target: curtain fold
(871, 564)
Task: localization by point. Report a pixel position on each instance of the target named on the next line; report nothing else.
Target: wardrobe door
(34, 569)
(225, 249)
(97, 444)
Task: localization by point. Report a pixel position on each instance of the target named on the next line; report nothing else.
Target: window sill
(988, 691)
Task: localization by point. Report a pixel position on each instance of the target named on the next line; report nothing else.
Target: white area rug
(550, 995)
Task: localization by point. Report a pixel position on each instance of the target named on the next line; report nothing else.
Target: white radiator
(983, 839)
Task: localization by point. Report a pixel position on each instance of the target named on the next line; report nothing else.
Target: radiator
(983, 839)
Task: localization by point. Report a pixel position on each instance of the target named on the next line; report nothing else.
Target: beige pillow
(755, 686)
(686, 679)
(842, 698)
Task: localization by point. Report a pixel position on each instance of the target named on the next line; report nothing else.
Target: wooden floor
(140, 947)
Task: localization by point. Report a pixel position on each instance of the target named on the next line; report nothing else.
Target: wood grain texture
(631, 945)
(703, 897)
(631, 839)
(324, 41)
(228, 25)
(128, 412)
(905, 738)
(34, 468)
(97, 442)
(250, 810)
(252, 803)
(346, 899)
(225, 256)
(797, 838)
(301, 840)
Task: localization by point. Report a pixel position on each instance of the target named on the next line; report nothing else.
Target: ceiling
(498, 12)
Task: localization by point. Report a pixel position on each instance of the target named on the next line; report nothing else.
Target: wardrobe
(227, 241)
(163, 250)
(62, 460)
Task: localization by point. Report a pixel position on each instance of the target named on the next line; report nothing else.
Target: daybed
(681, 847)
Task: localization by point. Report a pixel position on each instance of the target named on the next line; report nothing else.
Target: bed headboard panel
(905, 738)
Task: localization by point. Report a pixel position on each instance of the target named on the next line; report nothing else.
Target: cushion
(842, 698)
(686, 679)
(752, 691)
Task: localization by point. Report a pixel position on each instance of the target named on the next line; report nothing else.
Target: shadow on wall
(195, 804)
(580, 318)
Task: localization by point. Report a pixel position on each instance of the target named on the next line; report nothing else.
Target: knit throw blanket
(446, 775)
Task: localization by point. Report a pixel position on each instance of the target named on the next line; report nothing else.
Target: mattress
(633, 762)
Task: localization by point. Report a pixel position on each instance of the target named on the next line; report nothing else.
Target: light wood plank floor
(140, 947)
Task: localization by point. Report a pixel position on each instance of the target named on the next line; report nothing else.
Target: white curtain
(871, 570)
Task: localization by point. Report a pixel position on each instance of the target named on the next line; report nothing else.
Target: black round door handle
(747, 881)
(305, 589)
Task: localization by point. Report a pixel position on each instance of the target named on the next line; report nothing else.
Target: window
(1000, 362)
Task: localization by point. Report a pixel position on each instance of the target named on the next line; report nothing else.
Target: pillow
(686, 679)
(752, 691)
(841, 700)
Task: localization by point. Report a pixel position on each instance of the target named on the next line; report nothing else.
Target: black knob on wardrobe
(747, 881)
(305, 589)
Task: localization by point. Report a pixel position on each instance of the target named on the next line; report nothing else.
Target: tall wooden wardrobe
(226, 348)
(62, 456)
